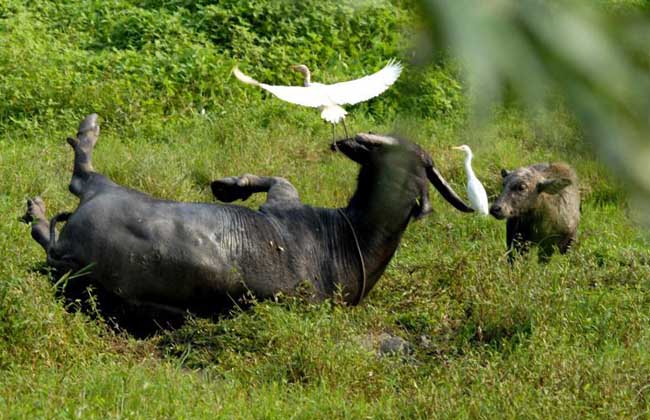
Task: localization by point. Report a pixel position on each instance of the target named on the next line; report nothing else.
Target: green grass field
(566, 339)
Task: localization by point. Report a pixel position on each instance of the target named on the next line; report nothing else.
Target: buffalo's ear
(423, 207)
(369, 139)
(352, 149)
(553, 185)
(505, 173)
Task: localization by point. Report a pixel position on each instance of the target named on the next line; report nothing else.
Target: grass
(566, 339)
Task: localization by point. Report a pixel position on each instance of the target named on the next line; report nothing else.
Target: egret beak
(294, 67)
(457, 148)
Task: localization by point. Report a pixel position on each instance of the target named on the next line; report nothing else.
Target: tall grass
(565, 339)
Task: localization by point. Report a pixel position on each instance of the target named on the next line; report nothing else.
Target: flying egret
(329, 98)
(477, 195)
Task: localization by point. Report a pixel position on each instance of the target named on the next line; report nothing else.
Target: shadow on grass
(78, 293)
(501, 331)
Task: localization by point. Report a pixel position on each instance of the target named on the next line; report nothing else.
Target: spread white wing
(318, 95)
(299, 95)
(367, 87)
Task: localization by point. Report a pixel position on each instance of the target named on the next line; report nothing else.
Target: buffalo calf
(542, 206)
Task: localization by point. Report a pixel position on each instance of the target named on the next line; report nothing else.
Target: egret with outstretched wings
(329, 98)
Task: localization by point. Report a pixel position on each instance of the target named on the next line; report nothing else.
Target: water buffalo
(199, 257)
(542, 205)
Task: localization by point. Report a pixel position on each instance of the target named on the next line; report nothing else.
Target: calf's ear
(504, 173)
(553, 185)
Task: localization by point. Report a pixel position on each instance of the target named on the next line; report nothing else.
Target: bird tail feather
(333, 113)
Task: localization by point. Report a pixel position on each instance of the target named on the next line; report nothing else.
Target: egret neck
(305, 72)
(468, 164)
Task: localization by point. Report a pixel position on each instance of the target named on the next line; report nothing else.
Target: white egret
(477, 195)
(329, 98)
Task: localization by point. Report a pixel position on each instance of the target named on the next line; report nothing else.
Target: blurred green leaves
(595, 55)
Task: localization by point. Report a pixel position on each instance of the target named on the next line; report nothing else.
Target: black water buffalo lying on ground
(176, 257)
(542, 205)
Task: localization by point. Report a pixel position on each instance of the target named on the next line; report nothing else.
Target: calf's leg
(566, 243)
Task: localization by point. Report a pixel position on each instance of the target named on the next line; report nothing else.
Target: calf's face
(521, 191)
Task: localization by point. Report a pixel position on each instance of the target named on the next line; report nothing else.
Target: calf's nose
(496, 211)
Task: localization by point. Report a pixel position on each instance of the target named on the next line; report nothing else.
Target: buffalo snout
(497, 211)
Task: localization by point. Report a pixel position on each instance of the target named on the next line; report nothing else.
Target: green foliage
(431, 92)
(562, 340)
(274, 35)
(131, 61)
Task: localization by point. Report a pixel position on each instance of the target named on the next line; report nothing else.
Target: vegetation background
(565, 339)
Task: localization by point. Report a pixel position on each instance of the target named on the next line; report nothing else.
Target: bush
(126, 59)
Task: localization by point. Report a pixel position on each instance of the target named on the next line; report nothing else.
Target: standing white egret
(329, 98)
(477, 195)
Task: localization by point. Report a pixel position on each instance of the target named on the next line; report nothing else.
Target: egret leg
(346, 129)
(333, 145)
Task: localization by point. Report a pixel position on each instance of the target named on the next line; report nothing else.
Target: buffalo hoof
(230, 189)
(35, 210)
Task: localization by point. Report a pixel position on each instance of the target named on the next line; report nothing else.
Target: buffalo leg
(279, 190)
(547, 248)
(566, 244)
(517, 239)
(511, 231)
(544, 254)
(83, 146)
(40, 226)
(519, 246)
